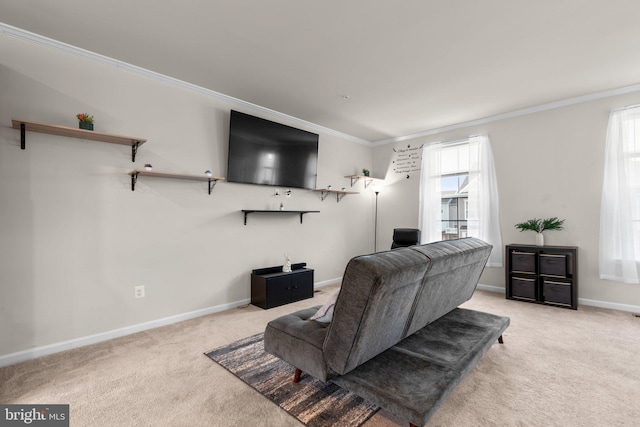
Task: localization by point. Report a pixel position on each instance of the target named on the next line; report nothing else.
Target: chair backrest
(403, 237)
(388, 296)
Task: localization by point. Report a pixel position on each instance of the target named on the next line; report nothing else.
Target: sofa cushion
(298, 341)
(413, 378)
(325, 313)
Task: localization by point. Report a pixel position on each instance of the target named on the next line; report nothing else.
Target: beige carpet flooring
(558, 367)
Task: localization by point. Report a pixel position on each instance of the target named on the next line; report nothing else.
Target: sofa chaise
(395, 335)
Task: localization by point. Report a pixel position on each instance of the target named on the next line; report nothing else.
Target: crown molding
(516, 113)
(30, 37)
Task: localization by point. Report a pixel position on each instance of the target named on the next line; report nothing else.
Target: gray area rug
(311, 401)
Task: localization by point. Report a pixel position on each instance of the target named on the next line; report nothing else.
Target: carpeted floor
(313, 402)
(557, 367)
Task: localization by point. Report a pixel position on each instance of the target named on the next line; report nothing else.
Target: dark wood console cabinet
(542, 274)
(271, 287)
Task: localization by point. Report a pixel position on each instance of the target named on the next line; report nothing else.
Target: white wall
(547, 164)
(76, 239)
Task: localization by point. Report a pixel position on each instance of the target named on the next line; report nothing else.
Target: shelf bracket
(212, 183)
(367, 182)
(134, 150)
(134, 179)
(23, 142)
(245, 217)
(301, 213)
(354, 180)
(324, 194)
(339, 197)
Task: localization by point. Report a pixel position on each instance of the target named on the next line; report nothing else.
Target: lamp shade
(377, 188)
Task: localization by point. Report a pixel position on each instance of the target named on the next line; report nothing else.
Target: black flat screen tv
(269, 153)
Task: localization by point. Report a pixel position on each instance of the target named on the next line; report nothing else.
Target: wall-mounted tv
(270, 153)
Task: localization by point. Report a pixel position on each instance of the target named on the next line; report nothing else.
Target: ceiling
(373, 69)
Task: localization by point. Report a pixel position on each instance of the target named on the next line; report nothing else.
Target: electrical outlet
(138, 291)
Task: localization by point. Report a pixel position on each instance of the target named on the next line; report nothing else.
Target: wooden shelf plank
(77, 133)
(366, 179)
(144, 172)
(326, 190)
(212, 180)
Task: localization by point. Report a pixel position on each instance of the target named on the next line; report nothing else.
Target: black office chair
(403, 237)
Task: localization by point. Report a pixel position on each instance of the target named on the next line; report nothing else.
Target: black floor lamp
(376, 189)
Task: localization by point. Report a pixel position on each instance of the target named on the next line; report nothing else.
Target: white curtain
(430, 212)
(483, 218)
(620, 206)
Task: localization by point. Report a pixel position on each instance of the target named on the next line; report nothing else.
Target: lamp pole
(375, 232)
(376, 189)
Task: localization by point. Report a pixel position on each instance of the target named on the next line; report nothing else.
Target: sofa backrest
(456, 266)
(387, 296)
(373, 306)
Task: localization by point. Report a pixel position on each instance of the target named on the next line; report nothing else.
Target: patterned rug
(311, 401)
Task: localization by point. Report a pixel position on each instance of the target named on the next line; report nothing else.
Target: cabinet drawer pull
(551, 282)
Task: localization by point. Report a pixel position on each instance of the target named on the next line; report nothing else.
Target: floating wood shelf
(366, 179)
(26, 125)
(248, 211)
(324, 192)
(212, 180)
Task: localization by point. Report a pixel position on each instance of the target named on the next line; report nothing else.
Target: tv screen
(269, 153)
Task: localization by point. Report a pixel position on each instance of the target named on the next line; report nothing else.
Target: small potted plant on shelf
(86, 121)
(365, 172)
(539, 225)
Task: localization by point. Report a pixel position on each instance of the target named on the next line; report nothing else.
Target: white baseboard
(327, 282)
(581, 301)
(22, 356)
(610, 305)
(490, 288)
(33, 353)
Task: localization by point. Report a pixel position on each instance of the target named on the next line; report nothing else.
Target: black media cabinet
(543, 274)
(271, 287)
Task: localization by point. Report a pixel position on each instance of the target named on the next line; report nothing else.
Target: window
(454, 188)
(459, 196)
(620, 207)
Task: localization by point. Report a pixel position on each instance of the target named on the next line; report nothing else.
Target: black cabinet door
(275, 289)
(301, 285)
(279, 291)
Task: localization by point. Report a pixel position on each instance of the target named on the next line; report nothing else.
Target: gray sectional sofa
(396, 337)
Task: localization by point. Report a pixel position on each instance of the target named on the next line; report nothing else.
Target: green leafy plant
(84, 117)
(365, 171)
(539, 225)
